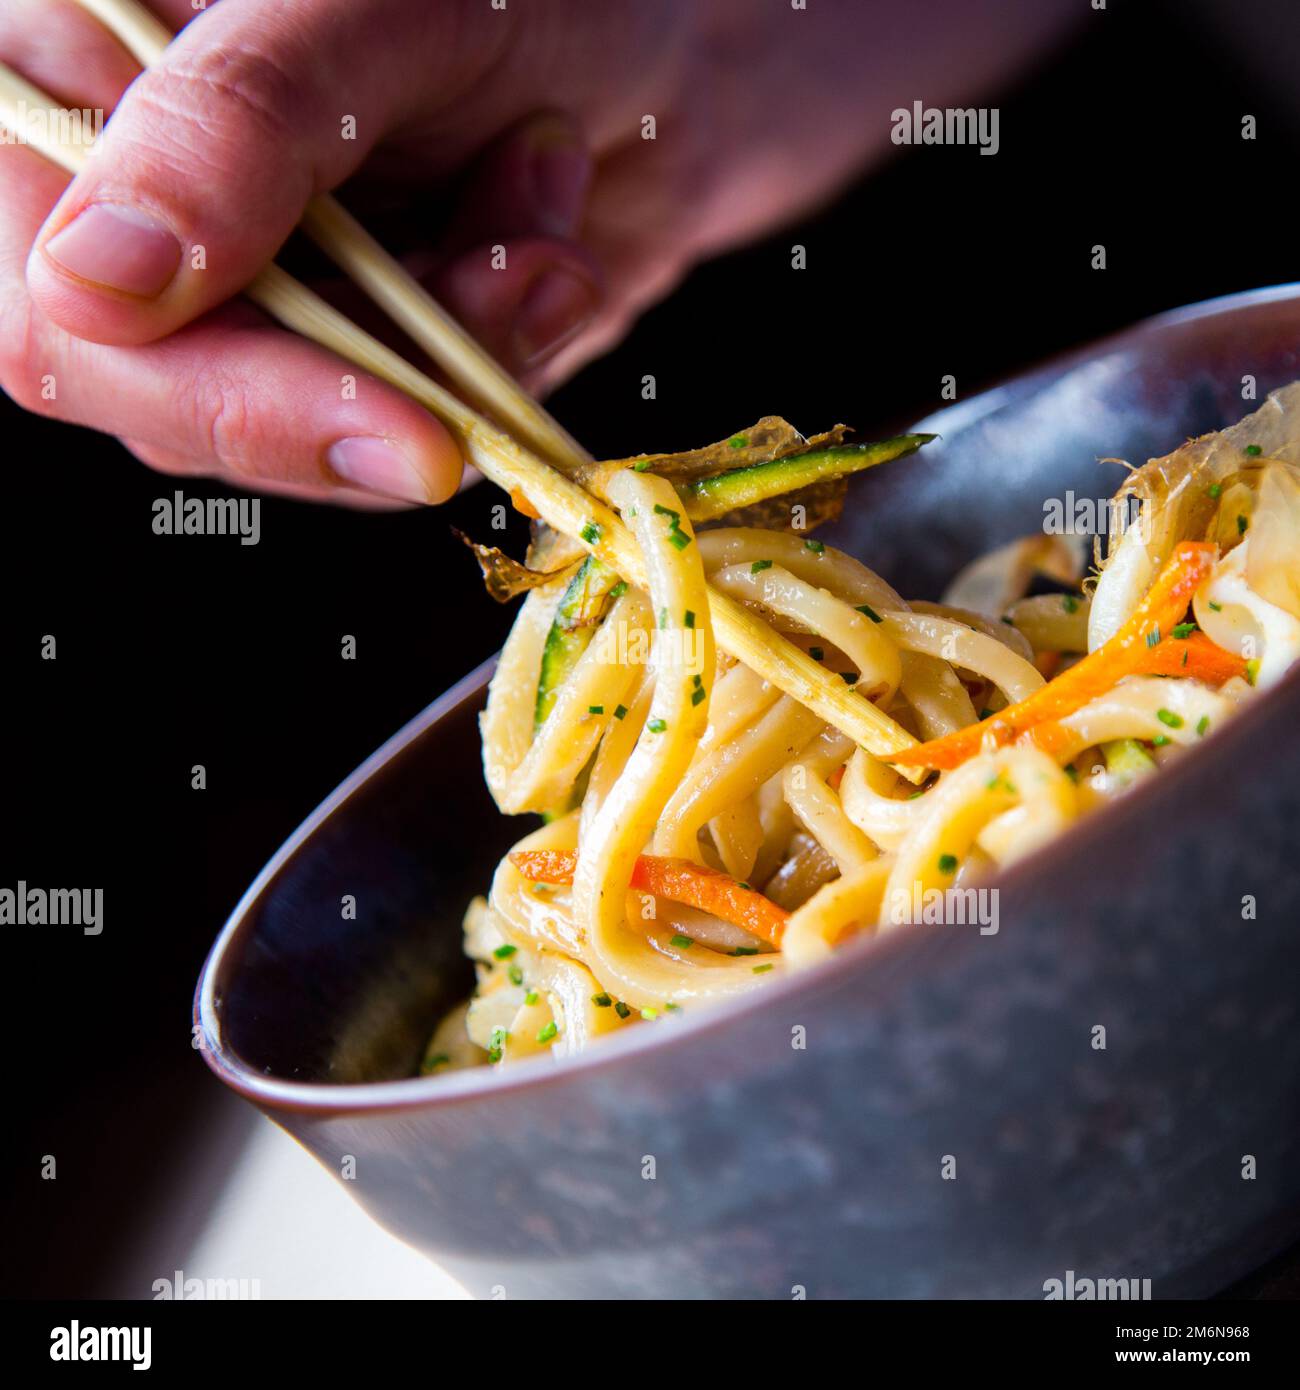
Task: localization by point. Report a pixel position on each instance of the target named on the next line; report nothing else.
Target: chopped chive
(595, 709)
(699, 696)
(679, 540)
(748, 887)
(745, 951)
(1160, 740)
(759, 565)
(621, 1009)
(1184, 630)
(817, 547)
(590, 533)
(429, 1064)
(817, 653)
(1169, 719)
(505, 952)
(619, 589)
(1253, 450)
(1153, 637)
(986, 713)
(1215, 607)
(530, 998)
(663, 617)
(657, 726)
(516, 973)
(1242, 523)
(697, 681)
(1202, 725)
(642, 466)
(1071, 772)
(683, 943)
(870, 612)
(548, 1032)
(738, 441)
(673, 1008)
(689, 618)
(620, 711)
(1252, 671)
(947, 863)
(601, 1001)
(649, 1015)
(1069, 603)
(920, 791)
(763, 969)
(667, 511)
(1214, 490)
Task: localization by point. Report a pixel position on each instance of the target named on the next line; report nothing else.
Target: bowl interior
(339, 962)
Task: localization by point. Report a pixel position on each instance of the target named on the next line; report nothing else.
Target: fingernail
(372, 463)
(119, 247)
(561, 170)
(557, 306)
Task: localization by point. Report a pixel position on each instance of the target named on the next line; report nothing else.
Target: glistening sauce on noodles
(705, 831)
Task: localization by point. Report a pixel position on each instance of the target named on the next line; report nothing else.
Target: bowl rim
(323, 1099)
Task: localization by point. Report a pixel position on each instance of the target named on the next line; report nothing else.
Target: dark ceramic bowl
(822, 1167)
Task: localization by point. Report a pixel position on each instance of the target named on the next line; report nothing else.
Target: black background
(175, 651)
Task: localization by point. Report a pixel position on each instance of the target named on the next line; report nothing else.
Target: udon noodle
(705, 831)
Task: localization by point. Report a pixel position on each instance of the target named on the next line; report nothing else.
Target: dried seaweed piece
(772, 437)
(506, 578)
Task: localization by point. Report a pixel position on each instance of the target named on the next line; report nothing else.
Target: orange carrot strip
(522, 504)
(1162, 608)
(1195, 655)
(682, 880)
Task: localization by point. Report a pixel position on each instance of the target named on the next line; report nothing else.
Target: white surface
(283, 1220)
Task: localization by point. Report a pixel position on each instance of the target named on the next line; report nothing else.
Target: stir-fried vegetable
(681, 880)
(1125, 654)
(706, 499)
(576, 619)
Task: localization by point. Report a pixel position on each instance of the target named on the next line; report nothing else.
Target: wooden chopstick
(562, 503)
(474, 373)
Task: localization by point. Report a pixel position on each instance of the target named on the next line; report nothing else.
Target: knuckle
(21, 371)
(223, 415)
(219, 108)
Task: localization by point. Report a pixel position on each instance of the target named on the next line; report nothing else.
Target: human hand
(472, 127)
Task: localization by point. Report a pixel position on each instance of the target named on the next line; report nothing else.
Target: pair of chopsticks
(538, 460)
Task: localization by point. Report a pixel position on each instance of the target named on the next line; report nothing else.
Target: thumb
(208, 162)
